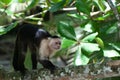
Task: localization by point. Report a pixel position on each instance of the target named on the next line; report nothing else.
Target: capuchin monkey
(41, 45)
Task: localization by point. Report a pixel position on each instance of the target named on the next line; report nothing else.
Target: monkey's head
(49, 46)
(55, 44)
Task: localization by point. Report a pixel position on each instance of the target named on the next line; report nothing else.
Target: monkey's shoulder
(33, 31)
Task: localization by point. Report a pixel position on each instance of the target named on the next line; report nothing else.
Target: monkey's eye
(58, 43)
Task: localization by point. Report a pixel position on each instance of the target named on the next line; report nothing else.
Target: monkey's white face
(55, 44)
(48, 47)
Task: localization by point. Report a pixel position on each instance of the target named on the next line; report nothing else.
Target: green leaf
(33, 4)
(57, 6)
(103, 17)
(90, 37)
(111, 53)
(82, 6)
(28, 62)
(66, 30)
(6, 2)
(89, 48)
(4, 30)
(22, 1)
(100, 42)
(100, 3)
(80, 59)
(77, 16)
(84, 23)
(67, 43)
(116, 46)
(56, 1)
(88, 27)
(112, 29)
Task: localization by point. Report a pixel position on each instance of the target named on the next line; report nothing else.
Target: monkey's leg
(33, 56)
(17, 51)
(21, 57)
(17, 54)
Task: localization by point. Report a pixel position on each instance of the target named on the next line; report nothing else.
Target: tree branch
(86, 72)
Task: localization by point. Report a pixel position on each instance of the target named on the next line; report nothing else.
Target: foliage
(89, 33)
(94, 42)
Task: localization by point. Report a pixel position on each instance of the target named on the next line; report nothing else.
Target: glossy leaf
(89, 48)
(116, 46)
(67, 43)
(55, 1)
(66, 30)
(57, 6)
(80, 59)
(82, 7)
(112, 29)
(90, 37)
(100, 42)
(28, 62)
(84, 23)
(4, 30)
(111, 53)
(88, 27)
(33, 3)
(21, 1)
(101, 5)
(6, 2)
(77, 16)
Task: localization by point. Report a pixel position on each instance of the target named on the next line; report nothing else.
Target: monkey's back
(31, 33)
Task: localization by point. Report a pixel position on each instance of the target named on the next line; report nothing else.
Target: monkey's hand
(48, 65)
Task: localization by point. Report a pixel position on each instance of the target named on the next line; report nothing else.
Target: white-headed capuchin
(41, 45)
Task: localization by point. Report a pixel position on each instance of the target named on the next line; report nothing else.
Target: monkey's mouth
(57, 48)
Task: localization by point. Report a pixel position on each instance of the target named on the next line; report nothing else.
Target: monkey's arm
(48, 65)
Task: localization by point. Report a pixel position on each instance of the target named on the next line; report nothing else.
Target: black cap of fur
(55, 36)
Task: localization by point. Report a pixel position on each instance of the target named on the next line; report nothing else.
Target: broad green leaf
(84, 23)
(116, 46)
(90, 37)
(28, 62)
(57, 6)
(88, 27)
(82, 7)
(67, 43)
(66, 30)
(4, 30)
(100, 42)
(33, 4)
(112, 29)
(89, 48)
(80, 59)
(100, 3)
(111, 53)
(6, 2)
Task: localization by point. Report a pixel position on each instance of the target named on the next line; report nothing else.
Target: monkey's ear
(49, 38)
